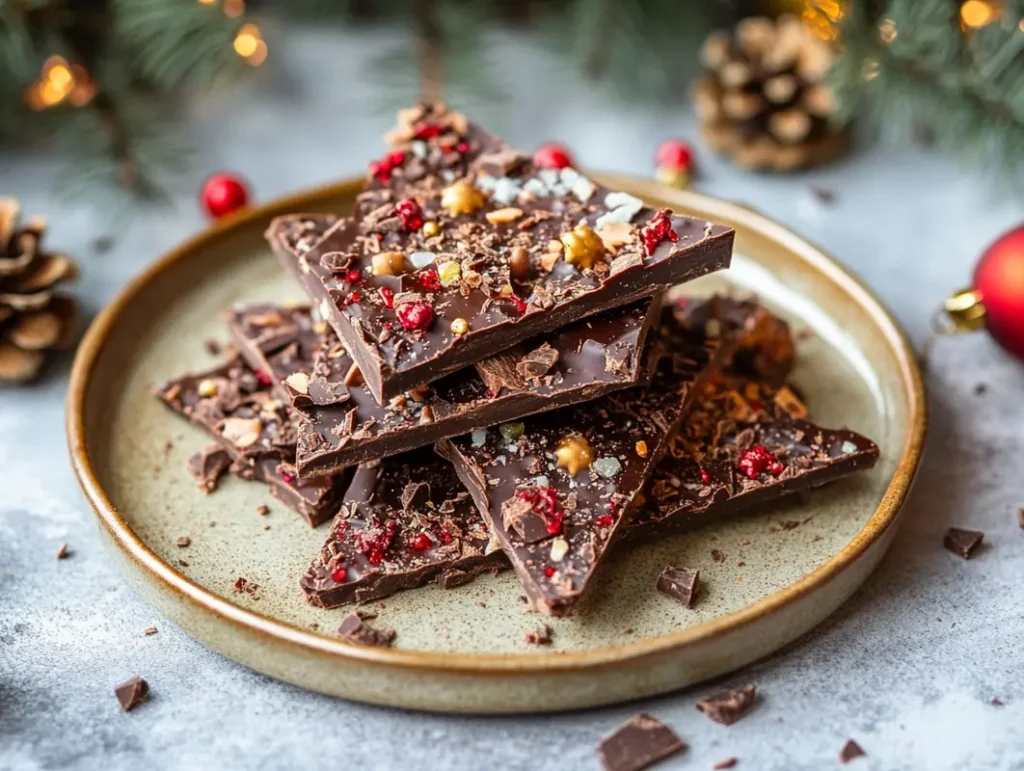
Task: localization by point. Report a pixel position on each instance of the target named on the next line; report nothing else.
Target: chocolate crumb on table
(963, 542)
(727, 763)
(680, 584)
(540, 636)
(639, 743)
(183, 541)
(263, 510)
(460, 246)
(63, 551)
(132, 693)
(850, 751)
(343, 424)
(726, 707)
(1020, 517)
(353, 630)
(149, 630)
(244, 586)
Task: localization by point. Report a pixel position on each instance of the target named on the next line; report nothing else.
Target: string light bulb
(977, 13)
(60, 82)
(249, 44)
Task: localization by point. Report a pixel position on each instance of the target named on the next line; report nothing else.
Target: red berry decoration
(996, 301)
(429, 281)
(387, 296)
(552, 155)
(657, 230)
(224, 194)
(338, 574)
(757, 460)
(382, 169)
(410, 213)
(416, 316)
(422, 542)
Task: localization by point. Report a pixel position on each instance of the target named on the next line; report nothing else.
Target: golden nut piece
(461, 198)
(207, 388)
(460, 327)
(583, 247)
(574, 454)
(449, 272)
(641, 448)
(431, 229)
(388, 264)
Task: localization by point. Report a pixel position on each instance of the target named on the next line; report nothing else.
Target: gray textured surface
(908, 668)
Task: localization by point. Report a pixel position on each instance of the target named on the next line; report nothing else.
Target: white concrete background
(908, 668)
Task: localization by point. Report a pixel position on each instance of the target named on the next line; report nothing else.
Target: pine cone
(33, 320)
(762, 99)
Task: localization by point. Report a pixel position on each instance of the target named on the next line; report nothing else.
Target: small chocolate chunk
(184, 541)
(263, 510)
(149, 630)
(355, 631)
(208, 466)
(537, 362)
(727, 763)
(132, 693)
(640, 742)
(62, 551)
(213, 347)
(415, 494)
(728, 706)
(850, 751)
(1020, 517)
(680, 584)
(540, 636)
(963, 542)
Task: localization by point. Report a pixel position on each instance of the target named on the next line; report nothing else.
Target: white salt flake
(622, 207)
(419, 149)
(422, 259)
(559, 548)
(542, 481)
(535, 188)
(478, 438)
(607, 467)
(849, 447)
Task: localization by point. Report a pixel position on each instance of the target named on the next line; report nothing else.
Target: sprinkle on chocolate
(355, 631)
(727, 707)
(640, 742)
(131, 693)
(850, 751)
(679, 583)
(540, 636)
(63, 551)
(963, 542)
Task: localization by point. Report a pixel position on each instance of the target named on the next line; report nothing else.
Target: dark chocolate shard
(729, 762)
(354, 630)
(680, 584)
(556, 495)
(344, 425)
(850, 751)
(963, 542)
(727, 707)
(208, 466)
(454, 227)
(237, 408)
(131, 693)
(404, 522)
(640, 742)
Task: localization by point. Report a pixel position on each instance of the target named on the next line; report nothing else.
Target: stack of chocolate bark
(488, 374)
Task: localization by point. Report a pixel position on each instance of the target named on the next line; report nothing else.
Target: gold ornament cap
(962, 311)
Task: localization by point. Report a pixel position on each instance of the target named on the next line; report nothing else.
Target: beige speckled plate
(462, 650)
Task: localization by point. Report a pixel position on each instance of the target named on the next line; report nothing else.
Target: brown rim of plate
(485, 663)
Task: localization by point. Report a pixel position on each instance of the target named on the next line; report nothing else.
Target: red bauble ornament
(999, 289)
(224, 193)
(674, 153)
(552, 155)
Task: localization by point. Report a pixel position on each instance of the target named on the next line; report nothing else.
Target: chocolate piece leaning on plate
(404, 522)
(460, 247)
(346, 425)
(640, 742)
(557, 488)
(744, 443)
(236, 407)
(680, 584)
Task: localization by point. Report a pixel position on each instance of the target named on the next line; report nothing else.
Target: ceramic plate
(463, 649)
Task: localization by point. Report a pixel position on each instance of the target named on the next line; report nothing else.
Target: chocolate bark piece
(405, 521)
(208, 465)
(236, 407)
(556, 495)
(679, 583)
(355, 631)
(726, 707)
(131, 693)
(432, 243)
(962, 542)
(346, 425)
(637, 744)
(742, 446)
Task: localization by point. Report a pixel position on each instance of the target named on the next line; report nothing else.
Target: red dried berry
(544, 501)
(549, 572)
(416, 316)
(426, 130)
(705, 477)
(604, 521)
(354, 297)
(462, 147)
(374, 540)
(387, 295)
(411, 214)
(338, 574)
(382, 169)
(287, 478)
(422, 542)
(519, 304)
(261, 377)
(353, 276)
(757, 460)
(428, 280)
(552, 155)
(657, 230)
